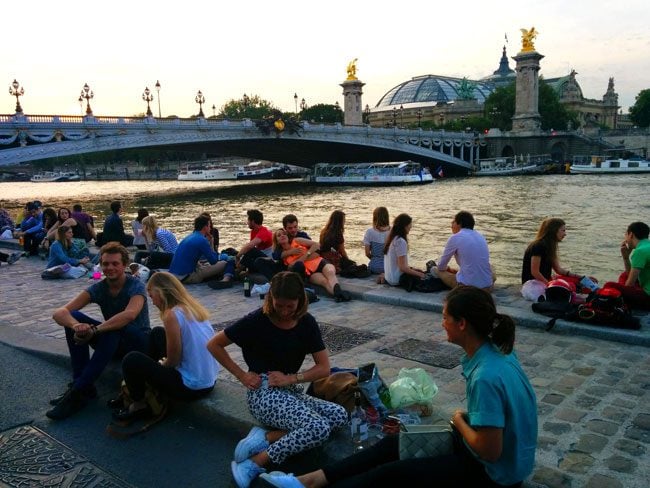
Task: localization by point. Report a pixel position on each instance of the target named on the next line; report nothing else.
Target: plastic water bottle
(247, 287)
(358, 424)
(97, 272)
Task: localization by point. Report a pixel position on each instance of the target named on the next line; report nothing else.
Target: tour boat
(507, 167)
(208, 173)
(257, 170)
(388, 173)
(54, 176)
(600, 165)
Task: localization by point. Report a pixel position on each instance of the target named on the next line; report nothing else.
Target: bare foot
(380, 279)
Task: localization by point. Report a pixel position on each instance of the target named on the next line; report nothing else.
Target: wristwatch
(300, 377)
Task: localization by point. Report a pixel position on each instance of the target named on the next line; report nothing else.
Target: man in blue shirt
(187, 265)
(114, 228)
(123, 302)
(31, 229)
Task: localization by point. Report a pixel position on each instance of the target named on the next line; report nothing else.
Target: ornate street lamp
(200, 99)
(81, 105)
(147, 96)
(303, 105)
(401, 116)
(418, 114)
(245, 101)
(158, 91)
(394, 116)
(367, 112)
(15, 90)
(214, 110)
(87, 94)
(295, 101)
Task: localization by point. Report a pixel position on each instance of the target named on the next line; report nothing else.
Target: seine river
(508, 210)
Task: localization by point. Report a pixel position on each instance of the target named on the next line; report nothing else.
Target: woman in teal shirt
(498, 430)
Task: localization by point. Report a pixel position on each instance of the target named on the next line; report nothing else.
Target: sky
(278, 49)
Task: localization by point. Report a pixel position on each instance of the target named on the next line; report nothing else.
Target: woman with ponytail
(498, 429)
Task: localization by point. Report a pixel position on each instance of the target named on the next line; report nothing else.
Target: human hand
(625, 250)
(459, 417)
(250, 380)
(83, 333)
(277, 378)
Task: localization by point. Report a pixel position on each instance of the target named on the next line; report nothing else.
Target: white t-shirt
(398, 247)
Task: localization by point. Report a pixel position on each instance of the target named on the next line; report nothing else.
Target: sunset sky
(276, 49)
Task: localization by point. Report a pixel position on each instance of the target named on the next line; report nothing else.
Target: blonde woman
(179, 363)
(161, 245)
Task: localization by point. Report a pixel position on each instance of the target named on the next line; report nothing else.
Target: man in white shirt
(470, 250)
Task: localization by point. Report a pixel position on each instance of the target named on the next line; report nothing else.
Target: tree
(640, 111)
(247, 107)
(322, 112)
(500, 108)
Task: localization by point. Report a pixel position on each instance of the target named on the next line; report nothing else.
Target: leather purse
(419, 441)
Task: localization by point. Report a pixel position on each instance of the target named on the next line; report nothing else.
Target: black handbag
(420, 441)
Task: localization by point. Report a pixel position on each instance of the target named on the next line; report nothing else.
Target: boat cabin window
(633, 164)
(615, 164)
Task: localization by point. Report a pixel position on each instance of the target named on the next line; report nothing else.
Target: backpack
(556, 310)
(606, 306)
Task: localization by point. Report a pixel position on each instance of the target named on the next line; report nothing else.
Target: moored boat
(384, 173)
(508, 167)
(256, 170)
(54, 176)
(208, 173)
(601, 165)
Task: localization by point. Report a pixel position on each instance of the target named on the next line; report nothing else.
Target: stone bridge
(25, 138)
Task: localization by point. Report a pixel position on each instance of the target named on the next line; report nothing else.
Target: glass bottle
(247, 287)
(358, 424)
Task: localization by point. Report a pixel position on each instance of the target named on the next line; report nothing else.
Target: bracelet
(94, 329)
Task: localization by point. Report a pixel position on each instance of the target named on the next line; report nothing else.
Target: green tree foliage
(322, 112)
(252, 107)
(500, 108)
(640, 111)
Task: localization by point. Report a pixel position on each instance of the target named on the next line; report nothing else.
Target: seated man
(470, 250)
(634, 282)
(259, 246)
(123, 302)
(114, 228)
(186, 264)
(31, 229)
(86, 222)
(270, 266)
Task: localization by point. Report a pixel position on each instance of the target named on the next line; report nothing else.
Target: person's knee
(320, 430)
(132, 361)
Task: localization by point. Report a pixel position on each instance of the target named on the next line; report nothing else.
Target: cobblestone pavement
(593, 395)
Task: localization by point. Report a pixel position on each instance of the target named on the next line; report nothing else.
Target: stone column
(352, 107)
(526, 118)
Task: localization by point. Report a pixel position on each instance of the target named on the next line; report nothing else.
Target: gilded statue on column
(527, 37)
(352, 70)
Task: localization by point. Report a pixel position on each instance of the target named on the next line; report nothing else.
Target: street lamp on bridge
(158, 91)
(401, 116)
(418, 114)
(214, 111)
(15, 90)
(147, 96)
(81, 105)
(303, 105)
(200, 99)
(87, 94)
(394, 116)
(295, 101)
(367, 112)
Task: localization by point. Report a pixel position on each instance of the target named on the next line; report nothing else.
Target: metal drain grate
(433, 353)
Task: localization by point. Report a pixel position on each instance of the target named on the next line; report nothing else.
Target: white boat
(388, 173)
(507, 167)
(54, 176)
(601, 165)
(208, 173)
(259, 170)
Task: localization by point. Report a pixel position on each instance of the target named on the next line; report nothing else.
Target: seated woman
(161, 245)
(397, 271)
(64, 218)
(179, 364)
(275, 340)
(301, 255)
(498, 429)
(136, 225)
(61, 253)
(375, 238)
(541, 256)
(332, 244)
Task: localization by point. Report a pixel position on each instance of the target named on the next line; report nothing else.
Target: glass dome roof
(432, 89)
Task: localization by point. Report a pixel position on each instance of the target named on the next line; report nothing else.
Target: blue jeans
(86, 368)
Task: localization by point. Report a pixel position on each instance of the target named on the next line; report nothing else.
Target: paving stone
(562, 364)
(641, 379)
(616, 373)
(576, 462)
(602, 427)
(545, 442)
(557, 428)
(620, 464)
(562, 344)
(632, 390)
(630, 447)
(642, 421)
(543, 409)
(607, 380)
(588, 402)
(539, 382)
(583, 371)
(582, 348)
(614, 414)
(569, 414)
(602, 481)
(552, 478)
(622, 402)
(590, 443)
(638, 434)
(571, 380)
(553, 398)
(599, 391)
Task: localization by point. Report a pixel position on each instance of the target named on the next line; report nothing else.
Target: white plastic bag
(533, 289)
(412, 387)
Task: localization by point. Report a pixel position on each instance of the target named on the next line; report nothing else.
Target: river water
(508, 210)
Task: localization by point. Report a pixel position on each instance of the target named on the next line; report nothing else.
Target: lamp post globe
(295, 101)
(87, 94)
(200, 99)
(158, 92)
(15, 90)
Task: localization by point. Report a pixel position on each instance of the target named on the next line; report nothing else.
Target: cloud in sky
(276, 49)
